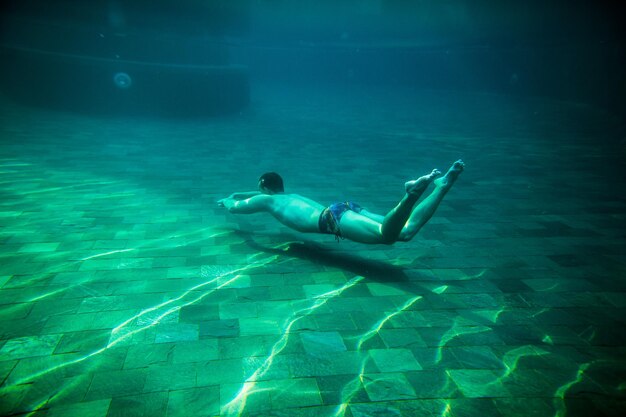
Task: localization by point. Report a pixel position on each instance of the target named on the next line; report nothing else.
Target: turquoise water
(125, 290)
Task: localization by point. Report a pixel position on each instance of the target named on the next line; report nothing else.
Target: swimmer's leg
(395, 220)
(373, 216)
(425, 210)
(365, 227)
(411, 184)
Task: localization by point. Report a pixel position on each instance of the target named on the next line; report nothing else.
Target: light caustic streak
(7, 162)
(559, 396)
(36, 181)
(376, 328)
(491, 315)
(453, 333)
(107, 254)
(139, 247)
(560, 393)
(9, 310)
(540, 312)
(591, 331)
(154, 322)
(449, 386)
(238, 403)
(352, 387)
(512, 357)
(462, 276)
(478, 275)
(440, 290)
(447, 410)
(111, 344)
(65, 187)
(57, 392)
(496, 315)
(46, 295)
(178, 307)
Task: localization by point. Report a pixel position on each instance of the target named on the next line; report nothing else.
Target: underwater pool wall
(90, 84)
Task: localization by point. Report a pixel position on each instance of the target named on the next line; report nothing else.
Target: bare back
(295, 211)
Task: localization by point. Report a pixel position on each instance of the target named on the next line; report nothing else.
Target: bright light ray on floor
(491, 315)
(114, 341)
(353, 387)
(456, 331)
(376, 328)
(540, 312)
(447, 410)
(17, 163)
(510, 360)
(80, 283)
(440, 290)
(107, 253)
(57, 392)
(25, 226)
(559, 396)
(46, 295)
(238, 403)
(512, 357)
(65, 187)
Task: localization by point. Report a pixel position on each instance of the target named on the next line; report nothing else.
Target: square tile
(394, 360)
(116, 384)
(26, 347)
(38, 247)
(387, 386)
(110, 240)
(322, 344)
(176, 332)
(478, 383)
(196, 351)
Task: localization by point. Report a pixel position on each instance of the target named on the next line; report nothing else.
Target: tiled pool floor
(125, 291)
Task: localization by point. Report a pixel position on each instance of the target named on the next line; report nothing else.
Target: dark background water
(570, 50)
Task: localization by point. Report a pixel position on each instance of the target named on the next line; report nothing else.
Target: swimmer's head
(271, 183)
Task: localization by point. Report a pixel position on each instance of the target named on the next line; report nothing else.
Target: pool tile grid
(125, 291)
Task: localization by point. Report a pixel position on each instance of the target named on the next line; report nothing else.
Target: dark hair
(272, 181)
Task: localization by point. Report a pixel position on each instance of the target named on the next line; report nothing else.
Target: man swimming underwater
(347, 220)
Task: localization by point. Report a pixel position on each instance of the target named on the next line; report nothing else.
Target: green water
(126, 291)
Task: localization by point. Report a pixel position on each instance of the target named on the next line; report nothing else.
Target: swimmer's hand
(224, 202)
(227, 202)
(236, 197)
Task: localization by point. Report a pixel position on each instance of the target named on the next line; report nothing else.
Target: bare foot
(419, 185)
(452, 174)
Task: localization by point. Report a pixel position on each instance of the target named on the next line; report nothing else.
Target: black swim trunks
(331, 216)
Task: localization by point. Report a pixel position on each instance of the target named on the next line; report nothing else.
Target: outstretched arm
(250, 205)
(244, 195)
